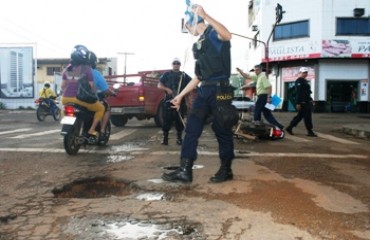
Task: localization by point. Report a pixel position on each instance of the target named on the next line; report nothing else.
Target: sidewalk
(356, 124)
(359, 130)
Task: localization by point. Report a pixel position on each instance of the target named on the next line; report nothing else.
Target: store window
(291, 30)
(353, 26)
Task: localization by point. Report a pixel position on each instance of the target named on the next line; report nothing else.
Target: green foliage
(2, 105)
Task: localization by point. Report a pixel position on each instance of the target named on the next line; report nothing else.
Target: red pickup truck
(137, 96)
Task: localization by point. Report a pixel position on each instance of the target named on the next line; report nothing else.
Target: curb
(359, 130)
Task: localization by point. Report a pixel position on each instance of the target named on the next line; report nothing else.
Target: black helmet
(80, 54)
(93, 60)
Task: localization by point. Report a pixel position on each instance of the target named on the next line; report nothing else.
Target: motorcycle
(75, 125)
(45, 107)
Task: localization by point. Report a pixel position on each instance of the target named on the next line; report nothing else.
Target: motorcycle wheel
(41, 113)
(56, 114)
(71, 144)
(105, 140)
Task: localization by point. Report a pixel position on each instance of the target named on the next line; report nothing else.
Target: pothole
(98, 187)
(173, 168)
(7, 218)
(124, 227)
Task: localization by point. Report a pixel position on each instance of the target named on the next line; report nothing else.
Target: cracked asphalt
(297, 190)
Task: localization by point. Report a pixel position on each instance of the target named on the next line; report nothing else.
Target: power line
(45, 42)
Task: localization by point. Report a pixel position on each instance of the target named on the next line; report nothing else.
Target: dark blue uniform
(172, 79)
(213, 97)
(211, 54)
(303, 98)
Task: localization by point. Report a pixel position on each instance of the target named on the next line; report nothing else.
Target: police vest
(210, 61)
(172, 81)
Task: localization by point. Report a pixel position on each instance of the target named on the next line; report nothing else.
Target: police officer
(304, 104)
(212, 55)
(172, 82)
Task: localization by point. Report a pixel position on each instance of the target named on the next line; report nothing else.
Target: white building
(330, 37)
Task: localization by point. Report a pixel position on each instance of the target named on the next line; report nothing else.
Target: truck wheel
(119, 120)
(158, 118)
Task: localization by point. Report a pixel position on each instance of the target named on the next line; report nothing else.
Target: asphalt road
(295, 188)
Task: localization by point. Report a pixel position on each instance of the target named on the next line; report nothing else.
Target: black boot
(183, 174)
(289, 130)
(179, 138)
(311, 133)
(224, 173)
(165, 138)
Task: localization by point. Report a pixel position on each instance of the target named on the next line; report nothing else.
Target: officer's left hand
(197, 9)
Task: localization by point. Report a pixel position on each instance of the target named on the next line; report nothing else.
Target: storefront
(338, 85)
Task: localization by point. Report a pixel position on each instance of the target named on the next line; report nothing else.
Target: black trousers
(170, 115)
(306, 114)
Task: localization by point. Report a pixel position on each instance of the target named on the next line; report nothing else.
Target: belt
(206, 83)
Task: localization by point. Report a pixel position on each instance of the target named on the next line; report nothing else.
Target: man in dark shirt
(303, 104)
(173, 82)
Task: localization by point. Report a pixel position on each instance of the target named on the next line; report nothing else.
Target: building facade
(330, 37)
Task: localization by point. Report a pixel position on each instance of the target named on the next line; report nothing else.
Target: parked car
(243, 103)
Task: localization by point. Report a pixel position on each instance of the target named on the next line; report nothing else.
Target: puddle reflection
(137, 231)
(127, 148)
(118, 158)
(151, 196)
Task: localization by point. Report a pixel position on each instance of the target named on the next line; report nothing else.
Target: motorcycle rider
(80, 66)
(102, 91)
(48, 95)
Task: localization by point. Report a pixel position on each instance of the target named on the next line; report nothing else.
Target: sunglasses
(176, 63)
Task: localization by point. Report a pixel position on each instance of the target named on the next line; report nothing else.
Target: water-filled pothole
(124, 227)
(98, 187)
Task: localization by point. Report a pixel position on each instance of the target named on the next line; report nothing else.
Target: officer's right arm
(166, 89)
(190, 87)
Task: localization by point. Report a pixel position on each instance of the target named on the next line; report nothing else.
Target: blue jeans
(51, 103)
(260, 108)
(203, 106)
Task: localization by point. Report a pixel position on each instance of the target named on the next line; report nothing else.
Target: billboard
(16, 72)
(337, 48)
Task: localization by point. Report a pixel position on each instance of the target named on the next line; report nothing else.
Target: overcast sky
(150, 29)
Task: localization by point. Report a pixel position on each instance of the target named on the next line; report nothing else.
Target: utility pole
(279, 16)
(125, 63)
